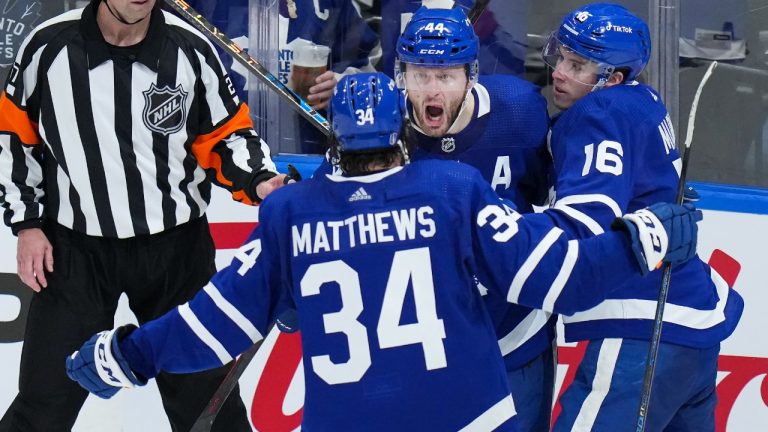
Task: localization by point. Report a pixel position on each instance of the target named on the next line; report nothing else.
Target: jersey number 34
(412, 265)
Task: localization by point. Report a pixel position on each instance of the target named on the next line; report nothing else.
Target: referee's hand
(266, 187)
(34, 256)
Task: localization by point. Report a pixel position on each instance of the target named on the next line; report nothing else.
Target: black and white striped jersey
(117, 142)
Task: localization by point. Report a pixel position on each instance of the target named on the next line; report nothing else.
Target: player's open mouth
(433, 115)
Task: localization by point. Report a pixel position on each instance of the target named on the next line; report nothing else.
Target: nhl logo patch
(448, 144)
(165, 109)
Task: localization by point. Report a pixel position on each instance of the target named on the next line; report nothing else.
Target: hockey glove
(99, 366)
(661, 233)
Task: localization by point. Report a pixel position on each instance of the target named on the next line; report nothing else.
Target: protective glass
(572, 65)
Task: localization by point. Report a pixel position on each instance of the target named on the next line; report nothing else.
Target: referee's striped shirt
(118, 142)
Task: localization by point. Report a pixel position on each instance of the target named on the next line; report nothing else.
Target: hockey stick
(287, 322)
(221, 39)
(205, 421)
(477, 10)
(658, 320)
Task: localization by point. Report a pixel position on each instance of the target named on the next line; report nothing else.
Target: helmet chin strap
(467, 95)
(119, 16)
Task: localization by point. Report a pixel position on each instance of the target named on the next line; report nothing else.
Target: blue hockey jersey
(506, 141)
(381, 270)
(614, 152)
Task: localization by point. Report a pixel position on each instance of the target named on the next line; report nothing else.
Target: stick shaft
(658, 320)
(253, 66)
(477, 10)
(207, 417)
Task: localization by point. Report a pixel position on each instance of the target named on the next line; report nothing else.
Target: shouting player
(499, 125)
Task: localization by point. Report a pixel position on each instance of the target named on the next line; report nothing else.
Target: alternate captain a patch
(165, 109)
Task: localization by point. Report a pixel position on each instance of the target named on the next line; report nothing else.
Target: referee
(114, 121)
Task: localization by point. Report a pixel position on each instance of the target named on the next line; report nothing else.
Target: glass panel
(314, 42)
(730, 139)
(18, 18)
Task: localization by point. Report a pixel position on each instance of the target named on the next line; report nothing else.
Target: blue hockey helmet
(607, 34)
(439, 37)
(367, 111)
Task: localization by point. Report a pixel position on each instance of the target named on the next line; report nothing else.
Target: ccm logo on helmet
(431, 51)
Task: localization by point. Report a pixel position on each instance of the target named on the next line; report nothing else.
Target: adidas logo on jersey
(359, 195)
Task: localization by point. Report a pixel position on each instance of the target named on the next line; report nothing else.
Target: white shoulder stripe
(571, 256)
(564, 205)
(530, 264)
(483, 100)
(492, 418)
(232, 313)
(201, 332)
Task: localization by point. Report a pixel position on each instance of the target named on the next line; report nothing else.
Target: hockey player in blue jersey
(499, 125)
(614, 152)
(381, 269)
(501, 29)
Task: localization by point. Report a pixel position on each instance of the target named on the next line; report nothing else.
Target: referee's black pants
(157, 272)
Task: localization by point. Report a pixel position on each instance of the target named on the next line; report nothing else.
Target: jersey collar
(370, 178)
(98, 51)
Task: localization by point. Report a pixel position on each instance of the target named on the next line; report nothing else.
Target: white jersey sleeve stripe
(587, 221)
(232, 313)
(526, 329)
(565, 205)
(494, 417)
(606, 363)
(646, 309)
(562, 277)
(531, 263)
(590, 198)
(201, 332)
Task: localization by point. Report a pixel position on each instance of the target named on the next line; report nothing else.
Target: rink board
(735, 221)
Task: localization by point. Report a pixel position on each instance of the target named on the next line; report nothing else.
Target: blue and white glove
(100, 367)
(662, 233)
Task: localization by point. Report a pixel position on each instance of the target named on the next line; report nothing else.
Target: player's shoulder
(505, 86)
(509, 95)
(628, 104)
(627, 98)
(442, 175)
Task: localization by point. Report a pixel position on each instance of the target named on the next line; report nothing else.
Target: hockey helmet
(438, 38)
(367, 111)
(607, 34)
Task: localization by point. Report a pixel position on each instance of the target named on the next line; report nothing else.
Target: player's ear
(616, 78)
